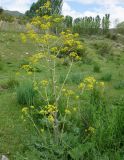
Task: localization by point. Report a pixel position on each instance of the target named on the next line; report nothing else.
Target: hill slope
(13, 13)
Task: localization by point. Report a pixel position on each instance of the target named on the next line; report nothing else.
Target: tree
(1, 10)
(106, 23)
(56, 7)
(68, 21)
(120, 28)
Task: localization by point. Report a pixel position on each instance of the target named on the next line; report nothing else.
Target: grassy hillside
(13, 13)
(104, 60)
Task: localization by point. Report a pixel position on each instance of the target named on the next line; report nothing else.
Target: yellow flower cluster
(25, 110)
(43, 22)
(35, 86)
(68, 92)
(46, 17)
(90, 129)
(42, 130)
(27, 67)
(46, 6)
(17, 73)
(90, 82)
(69, 39)
(32, 107)
(49, 37)
(54, 49)
(36, 57)
(81, 86)
(101, 84)
(51, 118)
(65, 49)
(32, 35)
(23, 38)
(45, 26)
(58, 19)
(44, 83)
(74, 56)
(67, 111)
(49, 111)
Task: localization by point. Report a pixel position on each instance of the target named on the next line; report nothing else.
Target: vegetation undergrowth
(69, 102)
(70, 123)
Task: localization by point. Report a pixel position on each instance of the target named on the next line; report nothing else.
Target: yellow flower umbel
(74, 56)
(68, 92)
(44, 83)
(35, 86)
(42, 130)
(67, 111)
(25, 110)
(51, 118)
(90, 82)
(49, 111)
(101, 84)
(91, 129)
(32, 107)
(81, 86)
(23, 38)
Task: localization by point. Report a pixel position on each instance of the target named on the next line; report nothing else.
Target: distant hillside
(13, 13)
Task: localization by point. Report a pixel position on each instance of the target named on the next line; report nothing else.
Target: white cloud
(100, 2)
(112, 7)
(16, 5)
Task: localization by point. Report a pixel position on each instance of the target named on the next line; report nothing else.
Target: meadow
(17, 137)
(61, 93)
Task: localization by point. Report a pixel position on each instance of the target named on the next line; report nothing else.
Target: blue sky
(76, 8)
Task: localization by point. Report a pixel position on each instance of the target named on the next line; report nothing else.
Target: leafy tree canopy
(56, 6)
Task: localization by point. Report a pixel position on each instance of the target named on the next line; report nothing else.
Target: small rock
(4, 158)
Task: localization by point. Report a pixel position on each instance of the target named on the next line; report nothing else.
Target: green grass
(14, 133)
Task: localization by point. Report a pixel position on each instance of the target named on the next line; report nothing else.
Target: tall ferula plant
(51, 47)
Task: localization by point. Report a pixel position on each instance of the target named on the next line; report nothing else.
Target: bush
(103, 48)
(106, 77)
(25, 93)
(12, 83)
(112, 36)
(96, 68)
(119, 85)
(118, 101)
(120, 28)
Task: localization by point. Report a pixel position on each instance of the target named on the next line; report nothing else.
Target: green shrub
(88, 60)
(96, 68)
(112, 36)
(25, 93)
(119, 100)
(120, 28)
(103, 48)
(81, 52)
(106, 77)
(119, 85)
(12, 83)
